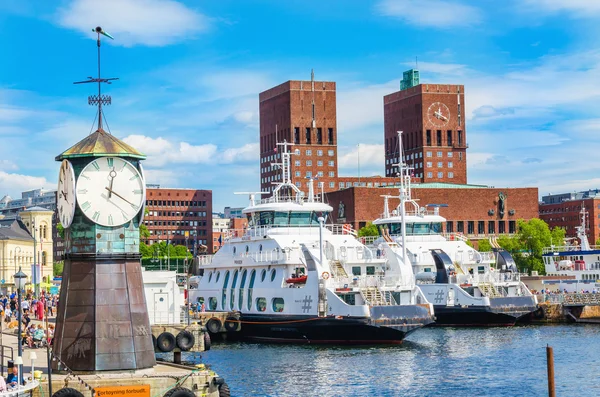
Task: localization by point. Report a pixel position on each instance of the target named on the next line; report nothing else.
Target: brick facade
(567, 214)
(287, 113)
(173, 212)
(432, 118)
(470, 207)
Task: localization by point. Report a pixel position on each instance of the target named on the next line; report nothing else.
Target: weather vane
(99, 99)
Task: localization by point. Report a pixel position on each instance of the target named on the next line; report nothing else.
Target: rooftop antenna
(99, 99)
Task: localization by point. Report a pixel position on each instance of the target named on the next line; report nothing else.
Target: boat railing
(488, 256)
(21, 390)
(366, 281)
(304, 230)
(354, 253)
(488, 277)
(454, 236)
(566, 248)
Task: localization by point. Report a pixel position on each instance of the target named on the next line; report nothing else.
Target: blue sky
(191, 71)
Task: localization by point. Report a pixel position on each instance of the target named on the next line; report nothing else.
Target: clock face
(438, 114)
(110, 191)
(66, 194)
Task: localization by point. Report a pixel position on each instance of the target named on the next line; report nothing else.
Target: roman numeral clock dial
(65, 199)
(110, 191)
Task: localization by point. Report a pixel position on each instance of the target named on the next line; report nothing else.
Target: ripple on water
(432, 362)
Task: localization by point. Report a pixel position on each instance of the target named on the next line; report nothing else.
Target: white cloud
(8, 165)
(430, 13)
(14, 184)
(132, 22)
(161, 151)
(362, 106)
(371, 156)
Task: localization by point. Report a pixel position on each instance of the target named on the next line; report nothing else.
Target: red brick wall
(411, 111)
(364, 205)
(179, 200)
(567, 215)
(289, 106)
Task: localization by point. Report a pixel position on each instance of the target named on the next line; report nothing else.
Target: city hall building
(434, 138)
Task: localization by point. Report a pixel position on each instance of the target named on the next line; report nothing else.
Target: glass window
(331, 163)
(429, 154)
(429, 164)
(263, 274)
(281, 218)
(440, 154)
(309, 152)
(331, 174)
(297, 163)
(308, 163)
(319, 163)
(440, 164)
(261, 304)
(491, 227)
(332, 184)
(210, 276)
(330, 152)
(450, 164)
(370, 270)
(273, 274)
(212, 303)
(319, 152)
(460, 226)
(451, 175)
(219, 273)
(297, 173)
(356, 270)
(430, 175)
(277, 305)
(481, 227)
(449, 226)
(308, 174)
(512, 227)
(440, 174)
(297, 151)
(320, 173)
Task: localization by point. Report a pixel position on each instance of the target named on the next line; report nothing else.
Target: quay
(568, 308)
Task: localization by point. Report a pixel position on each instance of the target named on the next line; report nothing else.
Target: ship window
(235, 276)
(243, 283)
(260, 248)
(226, 279)
(356, 270)
(266, 218)
(263, 274)
(252, 277)
(212, 303)
(273, 274)
(281, 218)
(277, 305)
(234, 250)
(261, 304)
(210, 276)
(299, 218)
(247, 249)
(370, 270)
(218, 276)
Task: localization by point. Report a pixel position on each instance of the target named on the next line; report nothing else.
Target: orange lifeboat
(297, 280)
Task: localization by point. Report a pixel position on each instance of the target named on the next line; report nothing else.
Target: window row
(491, 227)
(168, 203)
(330, 163)
(313, 135)
(177, 213)
(299, 184)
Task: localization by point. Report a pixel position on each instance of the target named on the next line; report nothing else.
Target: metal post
(321, 220)
(550, 362)
(19, 344)
(48, 355)
(187, 287)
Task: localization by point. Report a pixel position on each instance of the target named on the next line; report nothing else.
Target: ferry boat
(289, 277)
(467, 288)
(579, 260)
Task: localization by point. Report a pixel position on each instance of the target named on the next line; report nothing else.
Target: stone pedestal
(102, 321)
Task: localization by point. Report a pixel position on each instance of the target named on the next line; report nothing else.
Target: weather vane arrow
(99, 99)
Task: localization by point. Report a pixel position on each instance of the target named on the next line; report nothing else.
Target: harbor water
(431, 362)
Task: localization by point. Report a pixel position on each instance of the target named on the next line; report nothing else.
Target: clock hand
(65, 196)
(119, 196)
(112, 175)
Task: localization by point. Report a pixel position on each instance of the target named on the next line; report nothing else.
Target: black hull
(322, 330)
(472, 316)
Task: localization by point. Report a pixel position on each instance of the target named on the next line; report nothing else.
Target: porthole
(273, 274)
(212, 303)
(218, 276)
(261, 304)
(277, 305)
(263, 274)
(210, 276)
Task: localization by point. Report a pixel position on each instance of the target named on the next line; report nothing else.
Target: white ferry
(291, 278)
(579, 260)
(467, 288)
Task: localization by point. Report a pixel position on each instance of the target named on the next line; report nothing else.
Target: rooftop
(100, 144)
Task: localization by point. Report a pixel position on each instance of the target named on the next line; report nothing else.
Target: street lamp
(20, 279)
(18, 248)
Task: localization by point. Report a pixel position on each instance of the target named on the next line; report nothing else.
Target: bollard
(550, 360)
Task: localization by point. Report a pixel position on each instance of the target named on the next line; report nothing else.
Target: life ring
(68, 392)
(185, 340)
(180, 392)
(325, 275)
(165, 342)
(214, 325)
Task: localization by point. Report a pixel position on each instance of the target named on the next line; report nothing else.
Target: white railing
(304, 230)
(565, 248)
(488, 257)
(490, 277)
(354, 253)
(356, 282)
(21, 390)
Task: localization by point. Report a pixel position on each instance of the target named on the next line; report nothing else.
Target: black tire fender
(207, 341)
(231, 323)
(214, 325)
(68, 392)
(224, 390)
(180, 392)
(154, 342)
(165, 342)
(185, 340)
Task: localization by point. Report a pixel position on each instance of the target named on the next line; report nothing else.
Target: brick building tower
(432, 117)
(303, 113)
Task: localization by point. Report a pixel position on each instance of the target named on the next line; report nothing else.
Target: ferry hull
(328, 330)
(502, 312)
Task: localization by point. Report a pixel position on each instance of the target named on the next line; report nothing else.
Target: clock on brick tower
(102, 320)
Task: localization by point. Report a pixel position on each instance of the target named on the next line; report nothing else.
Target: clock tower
(102, 322)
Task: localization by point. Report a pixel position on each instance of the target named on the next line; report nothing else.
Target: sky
(190, 73)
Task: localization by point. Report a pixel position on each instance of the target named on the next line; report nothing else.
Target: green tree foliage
(57, 268)
(484, 245)
(598, 241)
(160, 250)
(469, 243)
(368, 230)
(61, 230)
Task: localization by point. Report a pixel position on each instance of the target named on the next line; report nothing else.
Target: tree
(368, 230)
(484, 245)
(57, 268)
(61, 230)
(533, 236)
(598, 241)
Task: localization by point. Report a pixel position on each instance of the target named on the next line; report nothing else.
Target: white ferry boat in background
(291, 278)
(579, 260)
(467, 288)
